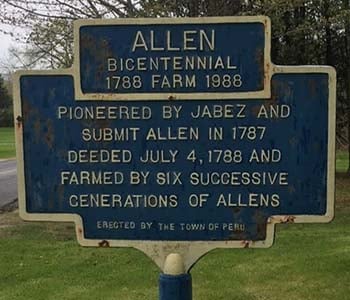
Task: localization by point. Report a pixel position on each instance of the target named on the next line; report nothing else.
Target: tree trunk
(346, 6)
(329, 56)
(299, 17)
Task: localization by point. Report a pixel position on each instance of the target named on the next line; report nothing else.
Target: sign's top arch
(161, 59)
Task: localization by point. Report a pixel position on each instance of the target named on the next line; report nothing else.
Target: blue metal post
(175, 287)
(175, 283)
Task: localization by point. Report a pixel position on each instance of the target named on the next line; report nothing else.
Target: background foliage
(6, 115)
(303, 32)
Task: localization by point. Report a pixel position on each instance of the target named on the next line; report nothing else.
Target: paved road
(8, 182)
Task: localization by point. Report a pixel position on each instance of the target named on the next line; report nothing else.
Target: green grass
(307, 262)
(342, 162)
(7, 142)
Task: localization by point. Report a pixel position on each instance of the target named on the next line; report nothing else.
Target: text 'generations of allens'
(168, 157)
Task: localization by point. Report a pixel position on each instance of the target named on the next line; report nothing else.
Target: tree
(50, 22)
(346, 7)
(49, 43)
(52, 44)
(6, 117)
(188, 8)
(303, 31)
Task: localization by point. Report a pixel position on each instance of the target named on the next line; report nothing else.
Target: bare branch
(34, 12)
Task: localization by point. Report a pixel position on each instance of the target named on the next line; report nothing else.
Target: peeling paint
(104, 244)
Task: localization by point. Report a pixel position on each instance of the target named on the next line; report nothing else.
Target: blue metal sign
(193, 170)
(206, 58)
(161, 58)
(175, 164)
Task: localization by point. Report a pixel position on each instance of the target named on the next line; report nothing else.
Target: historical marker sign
(216, 146)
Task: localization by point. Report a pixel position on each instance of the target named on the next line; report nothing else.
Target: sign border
(191, 251)
(263, 94)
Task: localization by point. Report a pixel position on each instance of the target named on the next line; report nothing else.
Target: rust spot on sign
(100, 49)
(49, 135)
(265, 23)
(104, 244)
(288, 219)
(80, 232)
(19, 120)
(259, 58)
(260, 219)
(267, 74)
(245, 244)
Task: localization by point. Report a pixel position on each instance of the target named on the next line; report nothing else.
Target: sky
(6, 41)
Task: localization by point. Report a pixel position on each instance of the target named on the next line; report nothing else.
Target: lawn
(7, 142)
(342, 161)
(307, 262)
